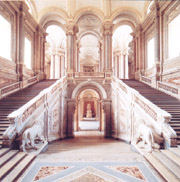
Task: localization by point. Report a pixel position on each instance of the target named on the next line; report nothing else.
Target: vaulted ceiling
(70, 9)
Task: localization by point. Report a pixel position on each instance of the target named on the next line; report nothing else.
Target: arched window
(5, 38)
(121, 39)
(150, 53)
(27, 53)
(173, 36)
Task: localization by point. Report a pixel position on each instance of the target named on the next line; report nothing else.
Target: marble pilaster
(108, 47)
(70, 117)
(107, 117)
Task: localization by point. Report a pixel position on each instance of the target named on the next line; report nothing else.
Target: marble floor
(90, 158)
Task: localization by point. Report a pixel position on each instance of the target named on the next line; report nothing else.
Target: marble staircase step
(175, 150)
(172, 156)
(19, 168)
(163, 170)
(4, 125)
(7, 157)
(3, 151)
(167, 162)
(5, 169)
(18, 99)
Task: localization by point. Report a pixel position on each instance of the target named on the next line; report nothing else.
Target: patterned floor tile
(46, 171)
(130, 170)
(89, 172)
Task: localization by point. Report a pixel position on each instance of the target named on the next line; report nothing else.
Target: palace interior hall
(90, 91)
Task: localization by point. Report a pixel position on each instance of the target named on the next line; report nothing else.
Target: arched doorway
(89, 113)
(100, 101)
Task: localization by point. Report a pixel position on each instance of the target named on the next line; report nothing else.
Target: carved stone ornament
(89, 21)
(146, 137)
(30, 135)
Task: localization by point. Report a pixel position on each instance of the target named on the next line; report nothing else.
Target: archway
(89, 113)
(100, 107)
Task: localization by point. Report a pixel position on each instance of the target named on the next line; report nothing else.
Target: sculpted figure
(29, 136)
(89, 111)
(145, 138)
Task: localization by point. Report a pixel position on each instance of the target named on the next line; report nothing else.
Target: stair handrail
(160, 117)
(19, 118)
(14, 87)
(169, 88)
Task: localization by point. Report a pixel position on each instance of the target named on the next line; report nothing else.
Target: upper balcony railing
(91, 74)
(14, 87)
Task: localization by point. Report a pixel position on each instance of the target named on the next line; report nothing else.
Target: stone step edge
(15, 173)
(10, 164)
(164, 171)
(172, 156)
(3, 151)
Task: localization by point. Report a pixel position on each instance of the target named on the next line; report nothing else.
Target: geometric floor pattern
(89, 172)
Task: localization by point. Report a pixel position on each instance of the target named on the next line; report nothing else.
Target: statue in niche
(89, 111)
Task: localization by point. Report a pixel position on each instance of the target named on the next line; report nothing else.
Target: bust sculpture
(89, 111)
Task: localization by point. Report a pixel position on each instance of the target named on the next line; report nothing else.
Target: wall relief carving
(89, 21)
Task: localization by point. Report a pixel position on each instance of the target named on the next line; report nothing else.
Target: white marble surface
(89, 125)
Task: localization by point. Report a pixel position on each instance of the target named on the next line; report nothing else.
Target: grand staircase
(162, 100)
(13, 163)
(18, 99)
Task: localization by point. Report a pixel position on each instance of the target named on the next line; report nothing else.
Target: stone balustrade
(170, 89)
(14, 87)
(132, 107)
(146, 80)
(94, 74)
(42, 109)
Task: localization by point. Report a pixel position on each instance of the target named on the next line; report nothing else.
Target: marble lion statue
(30, 135)
(145, 138)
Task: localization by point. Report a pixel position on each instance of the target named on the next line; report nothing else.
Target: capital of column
(107, 29)
(71, 29)
(106, 103)
(71, 104)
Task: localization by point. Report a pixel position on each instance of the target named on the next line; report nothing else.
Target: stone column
(121, 66)
(157, 41)
(100, 58)
(57, 66)
(70, 49)
(70, 117)
(52, 66)
(21, 42)
(108, 48)
(139, 66)
(126, 66)
(62, 66)
(77, 59)
(107, 117)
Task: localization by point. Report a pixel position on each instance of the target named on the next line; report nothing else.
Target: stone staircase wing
(17, 100)
(160, 99)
